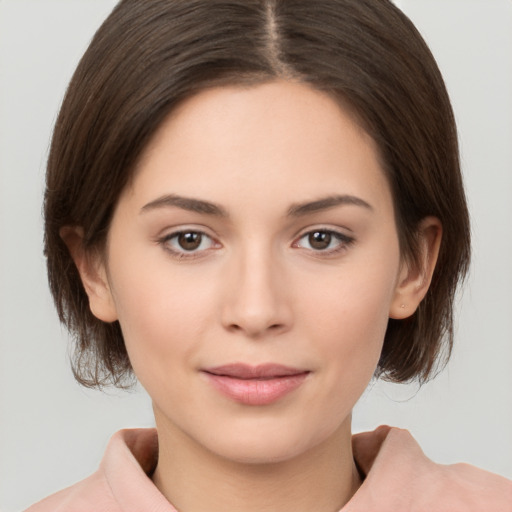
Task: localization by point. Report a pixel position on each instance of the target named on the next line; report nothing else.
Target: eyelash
(182, 253)
(343, 242)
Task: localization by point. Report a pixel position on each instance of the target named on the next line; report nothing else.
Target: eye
(323, 240)
(188, 242)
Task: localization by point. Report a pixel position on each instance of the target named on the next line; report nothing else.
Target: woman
(253, 207)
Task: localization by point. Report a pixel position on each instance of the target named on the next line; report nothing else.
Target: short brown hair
(149, 56)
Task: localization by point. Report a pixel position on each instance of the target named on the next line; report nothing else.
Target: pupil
(189, 241)
(320, 240)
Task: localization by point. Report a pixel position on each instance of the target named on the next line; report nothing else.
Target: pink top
(399, 477)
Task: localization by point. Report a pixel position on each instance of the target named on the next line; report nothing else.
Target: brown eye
(189, 241)
(188, 244)
(319, 240)
(325, 242)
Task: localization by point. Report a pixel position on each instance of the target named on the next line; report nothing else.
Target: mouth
(255, 385)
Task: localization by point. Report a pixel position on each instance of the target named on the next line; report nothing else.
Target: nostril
(255, 331)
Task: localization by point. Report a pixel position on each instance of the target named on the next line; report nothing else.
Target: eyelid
(167, 235)
(345, 240)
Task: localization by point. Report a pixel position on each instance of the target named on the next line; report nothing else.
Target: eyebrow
(208, 208)
(297, 210)
(185, 203)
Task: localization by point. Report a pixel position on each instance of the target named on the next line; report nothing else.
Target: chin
(268, 446)
(254, 453)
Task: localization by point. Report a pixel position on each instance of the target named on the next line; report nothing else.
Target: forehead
(275, 136)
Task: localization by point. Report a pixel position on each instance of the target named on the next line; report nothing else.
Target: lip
(255, 385)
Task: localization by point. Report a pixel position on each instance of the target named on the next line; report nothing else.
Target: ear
(415, 277)
(91, 267)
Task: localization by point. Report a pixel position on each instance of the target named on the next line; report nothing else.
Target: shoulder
(80, 497)
(400, 477)
(473, 489)
(121, 482)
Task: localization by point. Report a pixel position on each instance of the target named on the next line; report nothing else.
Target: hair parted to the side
(149, 56)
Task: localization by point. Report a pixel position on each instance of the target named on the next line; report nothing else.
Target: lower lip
(256, 391)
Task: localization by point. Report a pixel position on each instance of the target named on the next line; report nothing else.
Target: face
(253, 263)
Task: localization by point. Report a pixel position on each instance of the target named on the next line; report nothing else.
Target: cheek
(347, 314)
(162, 314)
(351, 335)
(343, 322)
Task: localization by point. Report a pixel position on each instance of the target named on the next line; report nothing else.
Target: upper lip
(261, 371)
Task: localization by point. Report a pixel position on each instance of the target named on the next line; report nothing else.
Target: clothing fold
(398, 477)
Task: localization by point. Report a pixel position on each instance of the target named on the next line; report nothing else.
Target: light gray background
(53, 433)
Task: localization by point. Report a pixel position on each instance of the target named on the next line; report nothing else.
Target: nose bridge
(257, 301)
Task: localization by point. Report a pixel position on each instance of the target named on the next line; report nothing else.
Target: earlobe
(415, 277)
(91, 268)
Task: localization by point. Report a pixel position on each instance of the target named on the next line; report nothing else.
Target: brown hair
(149, 56)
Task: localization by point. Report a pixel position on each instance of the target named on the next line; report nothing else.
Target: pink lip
(255, 385)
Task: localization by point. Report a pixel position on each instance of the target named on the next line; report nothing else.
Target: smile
(255, 385)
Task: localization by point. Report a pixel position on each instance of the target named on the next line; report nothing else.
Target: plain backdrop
(52, 432)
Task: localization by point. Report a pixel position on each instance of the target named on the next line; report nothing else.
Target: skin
(256, 290)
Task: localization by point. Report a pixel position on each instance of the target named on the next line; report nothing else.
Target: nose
(257, 300)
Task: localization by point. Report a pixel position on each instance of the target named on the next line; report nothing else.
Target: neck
(194, 479)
